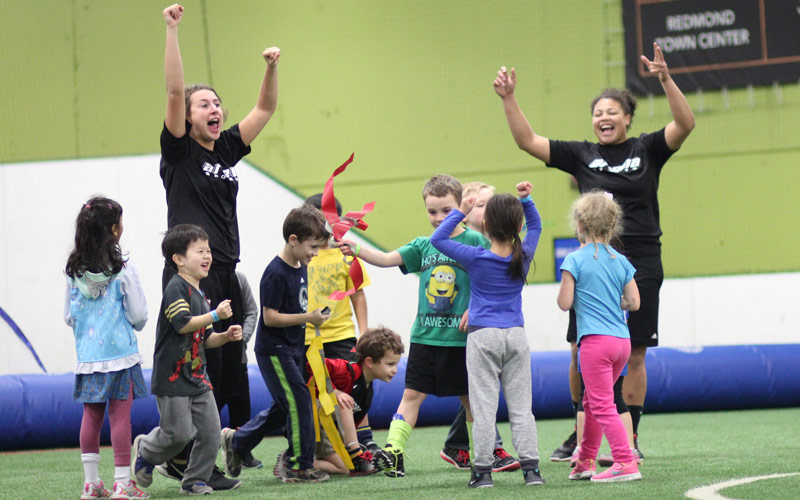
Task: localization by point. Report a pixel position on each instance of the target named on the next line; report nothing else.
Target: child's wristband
(214, 316)
(358, 247)
(527, 198)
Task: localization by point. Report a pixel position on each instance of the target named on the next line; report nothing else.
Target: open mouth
(441, 292)
(213, 125)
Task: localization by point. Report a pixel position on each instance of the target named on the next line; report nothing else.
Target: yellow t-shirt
(327, 273)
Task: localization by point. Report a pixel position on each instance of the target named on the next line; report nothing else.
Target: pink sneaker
(619, 472)
(92, 490)
(584, 469)
(127, 491)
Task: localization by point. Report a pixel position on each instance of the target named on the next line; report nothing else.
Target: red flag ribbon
(340, 226)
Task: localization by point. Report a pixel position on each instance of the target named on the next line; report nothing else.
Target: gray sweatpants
(495, 355)
(182, 419)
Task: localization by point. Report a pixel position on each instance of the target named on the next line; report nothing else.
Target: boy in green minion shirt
(437, 357)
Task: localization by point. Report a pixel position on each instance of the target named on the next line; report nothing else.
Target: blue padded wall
(37, 411)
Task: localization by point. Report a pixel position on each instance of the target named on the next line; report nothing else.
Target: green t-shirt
(443, 290)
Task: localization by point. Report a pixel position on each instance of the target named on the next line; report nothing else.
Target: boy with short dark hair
(437, 356)
(179, 380)
(377, 355)
(280, 351)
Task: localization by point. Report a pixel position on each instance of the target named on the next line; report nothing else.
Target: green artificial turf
(682, 451)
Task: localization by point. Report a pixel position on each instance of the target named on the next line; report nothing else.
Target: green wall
(407, 86)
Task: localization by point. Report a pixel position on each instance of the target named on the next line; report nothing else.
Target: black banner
(709, 44)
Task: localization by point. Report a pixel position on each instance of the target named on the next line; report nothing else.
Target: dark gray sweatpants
(182, 419)
(495, 355)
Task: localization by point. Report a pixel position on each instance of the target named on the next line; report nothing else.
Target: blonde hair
(470, 188)
(600, 216)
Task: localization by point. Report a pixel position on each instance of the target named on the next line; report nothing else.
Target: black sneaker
(397, 469)
(532, 477)
(172, 469)
(251, 462)
(480, 480)
(564, 452)
(219, 482)
(304, 476)
(637, 452)
(503, 461)
(233, 462)
(362, 464)
(458, 458)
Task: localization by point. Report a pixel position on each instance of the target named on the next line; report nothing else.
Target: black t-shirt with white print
(630, 171)
(202, 186)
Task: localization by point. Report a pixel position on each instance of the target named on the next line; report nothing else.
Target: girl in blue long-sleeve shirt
(497, 346)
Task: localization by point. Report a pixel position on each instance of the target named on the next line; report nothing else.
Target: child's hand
(524, 189)
(467, 204)
(345, 400)
(346, 246)
(318, 317)
(224, 310)
(504, 84)
(271, 55)
(173, 14)
(234, 333)
(463, 325)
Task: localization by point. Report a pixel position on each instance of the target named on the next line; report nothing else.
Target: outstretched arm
(254, 122)
(173, 72)
(370, 256)
(521, 130)
(682, 122)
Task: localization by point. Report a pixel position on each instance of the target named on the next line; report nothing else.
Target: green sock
(471, 444)
(399, 431)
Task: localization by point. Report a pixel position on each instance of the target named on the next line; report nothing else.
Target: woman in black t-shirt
(198, 169)
(629, 168)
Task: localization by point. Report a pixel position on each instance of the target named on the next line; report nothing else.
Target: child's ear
(369, 362)
(293, 240)
(177, 259)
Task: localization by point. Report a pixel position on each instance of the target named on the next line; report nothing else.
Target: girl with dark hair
(629, 169)
(104, 305)
(497, 346)
(198, 168)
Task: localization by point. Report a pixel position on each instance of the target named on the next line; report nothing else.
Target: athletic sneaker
(233, 462)
(127, 491)
(382, 460)
(619, 472)
(533, 477)
(218, 481)
(280, 464)
(198, 488)
(362, 464)
(584, 469)
(397, 468)
(574, 459)
(605, 460)
(458, 458)
(564, 452)
(251, 462)
(141, 469)
(172, 469)
(638, 452)
(503, 461)
(92, 490)
(480, 480)
(304, 476)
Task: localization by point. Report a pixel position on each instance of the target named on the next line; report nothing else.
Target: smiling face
(306, 250)
(438, 207)
(610, 122)
(196, 262)
(205, 113)
(385, 369)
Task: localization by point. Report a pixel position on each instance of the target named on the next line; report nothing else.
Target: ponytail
(516, 268)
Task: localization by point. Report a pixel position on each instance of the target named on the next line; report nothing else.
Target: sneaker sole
(491, 485)
(297, 480)
(636, 476)
(224, 450)
(452, 462)
(560, 458)
(394, 474)
(582, 475)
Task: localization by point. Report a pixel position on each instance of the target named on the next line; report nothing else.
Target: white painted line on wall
(711, 492)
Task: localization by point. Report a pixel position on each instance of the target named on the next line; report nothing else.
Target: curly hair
(600, 216)
(376, 342)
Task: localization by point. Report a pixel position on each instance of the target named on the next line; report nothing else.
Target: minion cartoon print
(442, 288)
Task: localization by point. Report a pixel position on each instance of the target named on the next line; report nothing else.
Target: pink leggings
(602, 358)
(119, 415)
